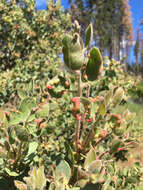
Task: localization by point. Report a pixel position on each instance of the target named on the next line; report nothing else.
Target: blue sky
(136, 9)
(137, 12)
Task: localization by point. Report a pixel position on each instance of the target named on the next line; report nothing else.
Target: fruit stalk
(78, 121)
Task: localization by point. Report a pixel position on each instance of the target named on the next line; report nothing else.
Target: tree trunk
(137, 66)
(110, 51)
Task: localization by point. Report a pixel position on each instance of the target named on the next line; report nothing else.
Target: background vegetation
(69, 126)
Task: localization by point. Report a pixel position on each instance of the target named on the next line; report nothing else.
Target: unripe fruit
(94, 65)
(76, 59)
(88, 35)
(67, 40)
(72, 52)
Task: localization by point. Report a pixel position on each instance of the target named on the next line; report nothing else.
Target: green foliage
(136, 48)
(26, 35)
(137, 91)
(36, 180)
(133, 107)
(118, 96)
(62, 125)
(94, 65)
(72, 52)
(30, 42)
(88, 35)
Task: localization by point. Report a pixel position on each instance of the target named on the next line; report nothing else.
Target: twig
(25, 123)
(79, 92)
(18, 156)
(90, 133)
(88, 92)
(102, 139)
(78, 122)
(88, 137)
(102, 154)
(77, 133)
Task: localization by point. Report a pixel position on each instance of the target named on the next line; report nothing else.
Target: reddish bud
(116, 119)
(38, 121)
(50, 87)
(114, 178)
(84, 67)
(118, 116)
(87, 112)
(76, 99)
(85, 77)
(89, 120)
(97, 99)
(75, 109)
(101, 180)
(120, 149)
(103, 133)
(12, 161)
(43, 125)
(78, 117)
(35, 109)
(119, 121)
(7, 113)
(67, 84)
(63, 92)
(76, 102)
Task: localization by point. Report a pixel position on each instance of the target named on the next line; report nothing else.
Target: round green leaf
(43, 111)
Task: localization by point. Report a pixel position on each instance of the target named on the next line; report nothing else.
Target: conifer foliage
(112, 22)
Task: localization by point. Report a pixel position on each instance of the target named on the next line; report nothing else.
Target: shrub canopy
(30, 35)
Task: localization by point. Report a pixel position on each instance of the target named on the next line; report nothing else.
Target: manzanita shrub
(28, 35)
(136, 91)
(30, 42)
(64, 135)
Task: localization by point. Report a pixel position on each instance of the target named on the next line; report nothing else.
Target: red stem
(102, 154)
(77, 133)
(101, 139)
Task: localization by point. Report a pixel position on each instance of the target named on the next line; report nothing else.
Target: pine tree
(112, 22)
(141, 56)
(125, 28)
(137, 50)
